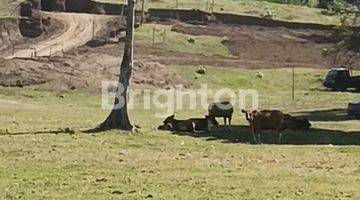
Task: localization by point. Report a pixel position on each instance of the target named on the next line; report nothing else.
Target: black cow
(221, 109)
(193, 125)
(296, 123)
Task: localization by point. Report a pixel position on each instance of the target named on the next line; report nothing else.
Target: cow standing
(222, 109)
(274, 120)
(265, 120)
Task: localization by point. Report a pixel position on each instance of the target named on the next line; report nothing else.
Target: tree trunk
(142, 12)
(119, 118)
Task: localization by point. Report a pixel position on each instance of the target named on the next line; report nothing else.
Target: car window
(332, 73)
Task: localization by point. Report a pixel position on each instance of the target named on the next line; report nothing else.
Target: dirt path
(78, 30)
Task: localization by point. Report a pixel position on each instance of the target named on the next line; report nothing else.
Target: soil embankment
(9, 33)
(269, 47)
(201, 17)
(83, 6)
(79, 29)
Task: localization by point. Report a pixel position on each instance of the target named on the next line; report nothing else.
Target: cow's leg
(194, 127)
(225, 124)
(254, 135)
(280, 135)
(195, 131)
(229, 118)
(259, 137)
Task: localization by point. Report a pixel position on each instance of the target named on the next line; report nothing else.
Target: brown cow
(275, 120)
(265, 120)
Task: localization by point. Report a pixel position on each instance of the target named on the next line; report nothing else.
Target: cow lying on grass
(193, 125)
(296, 123)
(274, 120)
(222, 109)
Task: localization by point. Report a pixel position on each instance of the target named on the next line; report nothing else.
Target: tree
(118, 117)
(325, 3)
(346, 50)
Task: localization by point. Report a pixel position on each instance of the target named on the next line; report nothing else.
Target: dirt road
(79, 29)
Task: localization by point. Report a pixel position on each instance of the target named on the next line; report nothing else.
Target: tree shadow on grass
(243, 134)
(66, 130)
(334, 115)
(336, 91)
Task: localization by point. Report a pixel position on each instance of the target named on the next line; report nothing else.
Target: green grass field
(161, 165)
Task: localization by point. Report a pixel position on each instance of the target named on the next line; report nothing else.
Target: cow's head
(168, 124)
(211, 120)
(169, 120)
(303, 123)
(248, 115)
(166, 127)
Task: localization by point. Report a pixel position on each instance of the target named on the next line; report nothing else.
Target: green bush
(201, 70)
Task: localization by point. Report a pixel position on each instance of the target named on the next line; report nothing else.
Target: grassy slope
(249, 7)
(274, 93)
(171, 166)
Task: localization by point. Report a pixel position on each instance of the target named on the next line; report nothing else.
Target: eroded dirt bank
(252, 47)
(267, 46)
(78, 30)
(9, 33)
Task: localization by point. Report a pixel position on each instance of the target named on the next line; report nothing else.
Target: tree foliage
(346, 36)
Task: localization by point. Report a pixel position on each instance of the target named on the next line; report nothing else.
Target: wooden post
(122, 10)
(93, 27)
(142, 12)
(154, 32)
(212, 6)
(293, 83)
(12, 50)
(164, 36)
(41, 21)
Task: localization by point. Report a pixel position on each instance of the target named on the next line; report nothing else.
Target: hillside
(284, 12)
(57, 81)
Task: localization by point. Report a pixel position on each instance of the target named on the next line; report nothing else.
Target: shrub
(201, 70)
